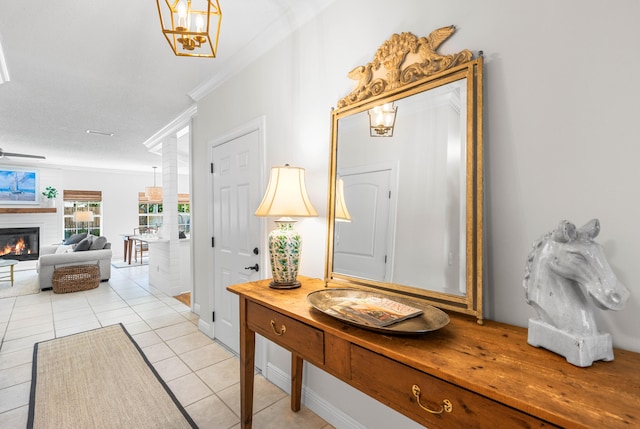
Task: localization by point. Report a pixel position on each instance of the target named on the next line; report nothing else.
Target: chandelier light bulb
(199, 23)
(182, 15)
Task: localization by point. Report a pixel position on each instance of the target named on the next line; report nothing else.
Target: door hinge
(385, 259)
(212, 168)
(213, 242)
(389, 194)
(213, 316)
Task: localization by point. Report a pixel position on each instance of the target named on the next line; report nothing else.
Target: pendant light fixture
(191, 27)
(153, 193)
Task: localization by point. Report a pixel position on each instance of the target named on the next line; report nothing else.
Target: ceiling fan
(19, 155)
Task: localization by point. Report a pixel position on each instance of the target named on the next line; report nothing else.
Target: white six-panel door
(235, 196)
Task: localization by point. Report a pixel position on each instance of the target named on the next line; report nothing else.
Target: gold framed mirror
(405, 209)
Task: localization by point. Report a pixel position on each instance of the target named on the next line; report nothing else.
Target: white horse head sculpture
(566, 272)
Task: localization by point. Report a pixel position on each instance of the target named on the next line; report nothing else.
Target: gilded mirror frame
(406, 65)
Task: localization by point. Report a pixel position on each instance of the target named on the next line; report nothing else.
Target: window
(82, 201)
(150, 212)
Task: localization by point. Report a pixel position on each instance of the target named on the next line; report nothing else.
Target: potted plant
(50, 193)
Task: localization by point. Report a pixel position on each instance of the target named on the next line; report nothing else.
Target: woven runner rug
(99, 379)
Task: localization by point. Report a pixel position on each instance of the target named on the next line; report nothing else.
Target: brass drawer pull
(446, 404)
(273, 327)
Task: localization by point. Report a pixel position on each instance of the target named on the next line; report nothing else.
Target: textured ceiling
(106, 66)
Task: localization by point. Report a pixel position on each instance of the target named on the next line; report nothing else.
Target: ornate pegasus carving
(405, 59)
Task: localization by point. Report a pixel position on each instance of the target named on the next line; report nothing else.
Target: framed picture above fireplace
(19, 186)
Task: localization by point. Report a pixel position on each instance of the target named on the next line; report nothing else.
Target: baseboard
(313, 401)
(206, 328)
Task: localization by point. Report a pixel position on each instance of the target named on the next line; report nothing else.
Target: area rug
(25, 283)
(125, 264)
(99, 379)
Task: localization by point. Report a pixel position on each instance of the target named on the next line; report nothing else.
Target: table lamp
(286, 196)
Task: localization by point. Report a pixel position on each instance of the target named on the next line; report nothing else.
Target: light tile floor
(202, 374)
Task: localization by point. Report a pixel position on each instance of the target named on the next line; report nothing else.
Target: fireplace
(22, 244)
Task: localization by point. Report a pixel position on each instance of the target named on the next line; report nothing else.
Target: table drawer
(393, 383)
(307, 341)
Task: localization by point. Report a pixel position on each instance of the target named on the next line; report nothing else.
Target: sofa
(79, 249)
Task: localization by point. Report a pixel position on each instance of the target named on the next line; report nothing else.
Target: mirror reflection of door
(361, 244)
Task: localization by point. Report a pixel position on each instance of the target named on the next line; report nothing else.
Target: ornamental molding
(401, 60)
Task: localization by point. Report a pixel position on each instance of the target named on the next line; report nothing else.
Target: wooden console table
(488, 376)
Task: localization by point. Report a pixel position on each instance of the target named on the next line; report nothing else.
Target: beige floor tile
(157, 312)
(162, 321)
(189, 389)
(72, 314)
(14, 396)
(14, 334)
(129, 318)
(137, 327)
(32, 311)
(175, 331)
(31, 321)
(114, 314)
(154, 304)
(101, 307)
(16, 418)
(189, 342)
(212, 413)
(280, 416)
(15, 358)
(158, 352)
(221, 375)
(87, 319)
(205, 356)
(26, 342)
(142, 300)
(77, 329)
(146, 339)
(15, 375)
(265, 395)
(172, 368)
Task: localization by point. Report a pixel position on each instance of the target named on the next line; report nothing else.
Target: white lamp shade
(86, 216)
(153, 193)
(342, 214)
(286, 194)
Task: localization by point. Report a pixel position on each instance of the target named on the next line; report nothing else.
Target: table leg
(126, 247)
(296, 381)
(247, 363)
(11, 275)
(130, 242)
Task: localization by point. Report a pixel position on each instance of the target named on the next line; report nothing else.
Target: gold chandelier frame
(178, 19)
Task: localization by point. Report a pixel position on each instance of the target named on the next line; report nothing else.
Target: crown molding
(290, 20)
(173, 128)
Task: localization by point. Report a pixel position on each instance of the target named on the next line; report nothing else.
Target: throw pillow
(83, 245)
(98, 243)
(63, 248)
(75, 239)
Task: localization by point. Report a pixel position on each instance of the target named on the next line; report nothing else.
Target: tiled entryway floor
(202, 374)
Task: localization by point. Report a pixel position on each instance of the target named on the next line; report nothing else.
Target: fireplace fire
(22, 244)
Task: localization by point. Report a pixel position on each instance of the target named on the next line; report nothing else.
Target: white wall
(119, 201)
(560, 107)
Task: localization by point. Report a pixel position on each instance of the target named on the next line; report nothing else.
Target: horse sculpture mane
(566, 274)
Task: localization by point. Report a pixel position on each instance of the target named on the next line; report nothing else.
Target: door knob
(255, 267)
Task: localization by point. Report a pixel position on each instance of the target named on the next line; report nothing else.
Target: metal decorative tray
(431, 318)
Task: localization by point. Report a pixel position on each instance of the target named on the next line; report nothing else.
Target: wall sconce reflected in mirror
(382, 119)
(342, 214)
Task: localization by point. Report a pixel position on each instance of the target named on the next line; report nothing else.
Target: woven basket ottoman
(75, 278)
